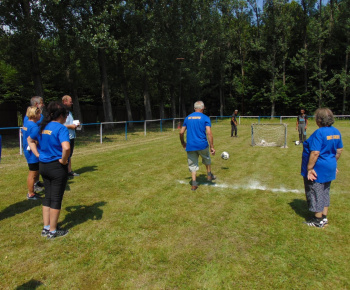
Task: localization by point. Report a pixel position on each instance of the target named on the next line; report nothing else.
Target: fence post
(174, 124)
(161, 128)
(126, 130)
(101, 133)
(20, 142)
(0, 146)
(145, 126)
(239, 120)
(280, 119)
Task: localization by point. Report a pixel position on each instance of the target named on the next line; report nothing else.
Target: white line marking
(253, 185)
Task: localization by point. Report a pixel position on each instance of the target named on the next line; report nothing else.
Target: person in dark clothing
(234, 123)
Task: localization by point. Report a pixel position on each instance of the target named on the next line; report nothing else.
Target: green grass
(135, 223)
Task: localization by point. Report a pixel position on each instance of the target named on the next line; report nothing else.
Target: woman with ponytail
(54, 150)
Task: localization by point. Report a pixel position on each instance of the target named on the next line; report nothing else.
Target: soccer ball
(297, 143)
(225, 155)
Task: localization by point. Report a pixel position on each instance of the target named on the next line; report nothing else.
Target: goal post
(269, 135)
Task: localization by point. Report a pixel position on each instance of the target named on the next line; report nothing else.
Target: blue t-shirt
(50, 140)
(38, 123)
(29, 127)
(196, 131)
(326, 140)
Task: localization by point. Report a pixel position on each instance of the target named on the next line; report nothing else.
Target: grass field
(134, 222)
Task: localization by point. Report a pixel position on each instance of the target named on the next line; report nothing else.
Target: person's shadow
(85, 169)
(301, 208)
(18, 208)
(32, 284)
(201, 179)
(82, 213)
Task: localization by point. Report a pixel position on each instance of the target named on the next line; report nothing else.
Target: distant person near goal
(199, 132)
(234, 123)
(302, 122)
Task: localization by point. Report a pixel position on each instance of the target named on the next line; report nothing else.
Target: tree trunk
(74, 94)
(305, 66)
(173, 102)
(320, 60)
(32, 42)
(147, 101)
(106, 101)
(221, 102)
(345, 88)
(125, 91)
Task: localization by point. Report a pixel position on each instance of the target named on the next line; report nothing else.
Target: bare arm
(311, 173)
(72, 126)
(32, 144)
(182, 134)
(65, 152)
(210, 139)
(337, 155)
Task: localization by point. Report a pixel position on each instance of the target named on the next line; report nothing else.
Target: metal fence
(176, 123)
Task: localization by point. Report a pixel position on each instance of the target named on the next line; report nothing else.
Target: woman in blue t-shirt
(30, 127)
(319, 165)
(54, 150)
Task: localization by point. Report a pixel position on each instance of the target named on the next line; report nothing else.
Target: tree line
(157, 57)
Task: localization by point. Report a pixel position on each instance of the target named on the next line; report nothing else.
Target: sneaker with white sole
(44, 232)
(72, 174)
(315, 222)
(57, 234)
(33, 197)
(38, 188)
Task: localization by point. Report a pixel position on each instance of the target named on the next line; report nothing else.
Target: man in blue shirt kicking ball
(198, 128)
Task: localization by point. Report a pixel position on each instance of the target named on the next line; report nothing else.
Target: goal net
(269, 135)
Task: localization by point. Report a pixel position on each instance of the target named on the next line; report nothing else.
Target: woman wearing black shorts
(54, 150)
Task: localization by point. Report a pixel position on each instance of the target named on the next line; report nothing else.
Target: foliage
(236, 54)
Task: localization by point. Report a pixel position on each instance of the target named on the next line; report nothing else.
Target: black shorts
(55, 176)
(71, 141)
(33, 166)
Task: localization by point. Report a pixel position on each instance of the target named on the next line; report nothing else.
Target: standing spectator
(67, 101)
(30, 127)
(54, 150)
(234, 123)
(198, 128)
(302, 122)
(319, 165)
(38, 102)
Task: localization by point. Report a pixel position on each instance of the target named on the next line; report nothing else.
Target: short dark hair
(54, 111)
(324, 116)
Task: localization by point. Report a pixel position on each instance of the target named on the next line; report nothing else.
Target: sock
(53, 232)
(47, 227)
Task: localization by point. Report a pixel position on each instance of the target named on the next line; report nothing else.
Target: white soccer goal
(269, 135)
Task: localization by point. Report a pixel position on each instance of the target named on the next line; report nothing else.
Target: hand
(311, 175)
(336, 171)
(61, 161)
(212, 151)
(305, 127)
(184, 145)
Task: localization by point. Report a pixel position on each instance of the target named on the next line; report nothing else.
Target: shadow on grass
(86, 169)
(82, 213)
(301, 208)
(201, 179)
(32, 284)
(18, 208)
